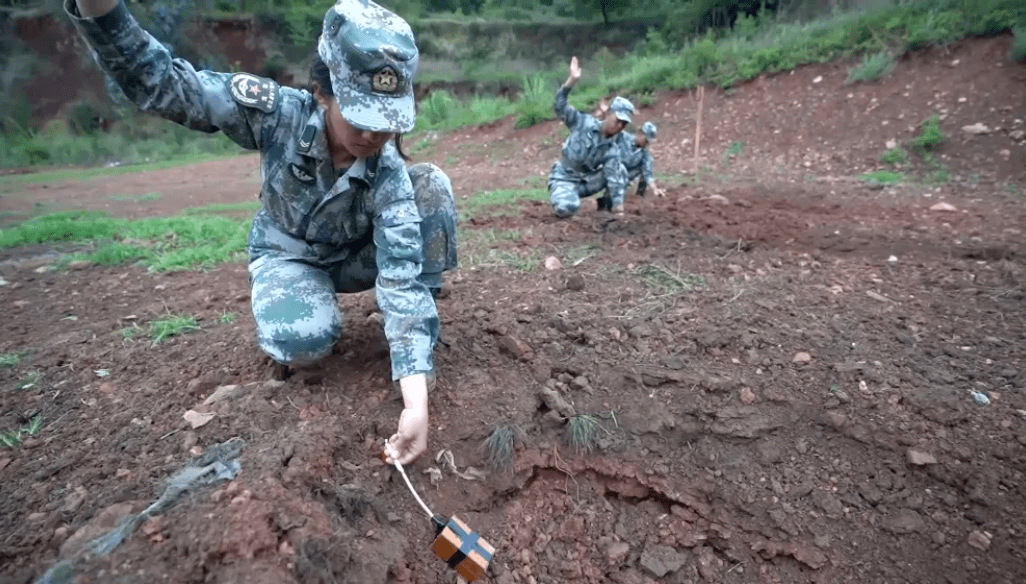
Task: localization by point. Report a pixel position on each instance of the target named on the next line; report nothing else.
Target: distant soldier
(637, 159)
(341, 211)
(591, 160)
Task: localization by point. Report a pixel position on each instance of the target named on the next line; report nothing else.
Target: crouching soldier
(591, 158)
(637, 159)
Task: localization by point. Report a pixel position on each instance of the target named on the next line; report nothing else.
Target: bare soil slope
(782, 359)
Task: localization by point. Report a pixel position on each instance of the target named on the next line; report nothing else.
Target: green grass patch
(9, 360)
(501, 445)
(29, 381)
(733, 151)
(886, 177)
(245, 207)
(161, 330)
(13, 438)
(198, 240)
(136, 198)
(227, 318)
(488, 201)
(930, 136)
(663, 281)
(873, 67)
(582, 432)
(896, 156)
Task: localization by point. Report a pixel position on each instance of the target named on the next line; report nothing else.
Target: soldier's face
(341, 134)
(612, 125)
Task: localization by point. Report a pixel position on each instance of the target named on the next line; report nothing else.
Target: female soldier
(590, 159)
(637, 159)
(341, 212)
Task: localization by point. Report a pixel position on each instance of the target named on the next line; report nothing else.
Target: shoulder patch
(302, 175)
(255, 92)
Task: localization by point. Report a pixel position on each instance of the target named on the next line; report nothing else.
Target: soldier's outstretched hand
(575, 72)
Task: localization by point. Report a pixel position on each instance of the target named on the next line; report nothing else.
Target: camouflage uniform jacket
(586, 151)
(637, 160)
(309, 213)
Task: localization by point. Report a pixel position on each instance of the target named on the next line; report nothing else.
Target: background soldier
(637, 159)
(590, 160)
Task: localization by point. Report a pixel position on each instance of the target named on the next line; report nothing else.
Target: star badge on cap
(385, 81)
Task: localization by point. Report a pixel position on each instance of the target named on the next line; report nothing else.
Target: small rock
(939, 538)
(617, 552)
(660, 560)
(107, 388)
(747, 396)
(818, 79)
(943, 207)
(802, 357)
(981, 398)
(718, 200)
(21, 303)
(980, 540)
(552, 263)
(1017, 135)
(61, 533)
(189, 439)
(4, 462)
(515, 347)
(575, 283)
(903, 522)
(74, 500)
(36, 517)
(976, 129)
(919, 458)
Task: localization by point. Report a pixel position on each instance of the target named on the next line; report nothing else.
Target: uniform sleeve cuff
(107, 24)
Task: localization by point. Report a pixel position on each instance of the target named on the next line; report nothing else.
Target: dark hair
(320, 80)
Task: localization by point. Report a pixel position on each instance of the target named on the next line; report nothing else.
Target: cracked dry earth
(780, 400)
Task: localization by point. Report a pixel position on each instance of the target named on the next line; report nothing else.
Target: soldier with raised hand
(591, 160)
(341, 212)
(637, 159)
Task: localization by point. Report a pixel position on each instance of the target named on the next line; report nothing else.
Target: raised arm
(562, 107)
(240, 105)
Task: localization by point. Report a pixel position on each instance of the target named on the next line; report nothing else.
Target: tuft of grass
(227, 318)
(896, 156)
(161, 330)
(662, 281)
(10, 439)
(930, 136)
(535, 103)
(582, 432)
(9, 360)
(30, 381)
(501, 445)
(34, 425)
(887, 177)
(873, 67)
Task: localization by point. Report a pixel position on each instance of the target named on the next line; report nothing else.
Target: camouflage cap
(622, 108)
(649, 130)
(372, 58)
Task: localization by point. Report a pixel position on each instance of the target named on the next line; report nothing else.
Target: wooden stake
(698, 126)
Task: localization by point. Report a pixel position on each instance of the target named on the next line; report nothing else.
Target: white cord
(399, 466)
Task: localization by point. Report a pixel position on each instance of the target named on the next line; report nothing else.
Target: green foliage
(535, 103)
(161, 330)
(30, 381)
(883, 177)
(9, 360)
(582, 432)
(13, 438)
(930, 136)
(896, 156)
(501, 445)
(873, 67)
(159, 243)
(227, 318)
(1018, 51)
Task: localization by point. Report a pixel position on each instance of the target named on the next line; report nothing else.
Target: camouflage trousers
(567, 188)
(298, 320)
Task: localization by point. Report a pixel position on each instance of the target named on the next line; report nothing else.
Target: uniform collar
(313, 141)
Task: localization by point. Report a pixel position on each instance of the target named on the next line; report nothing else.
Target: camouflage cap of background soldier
(372, 58)
(622, 108)
(649, 130)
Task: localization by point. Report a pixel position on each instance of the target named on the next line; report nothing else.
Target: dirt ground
(782, 358)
